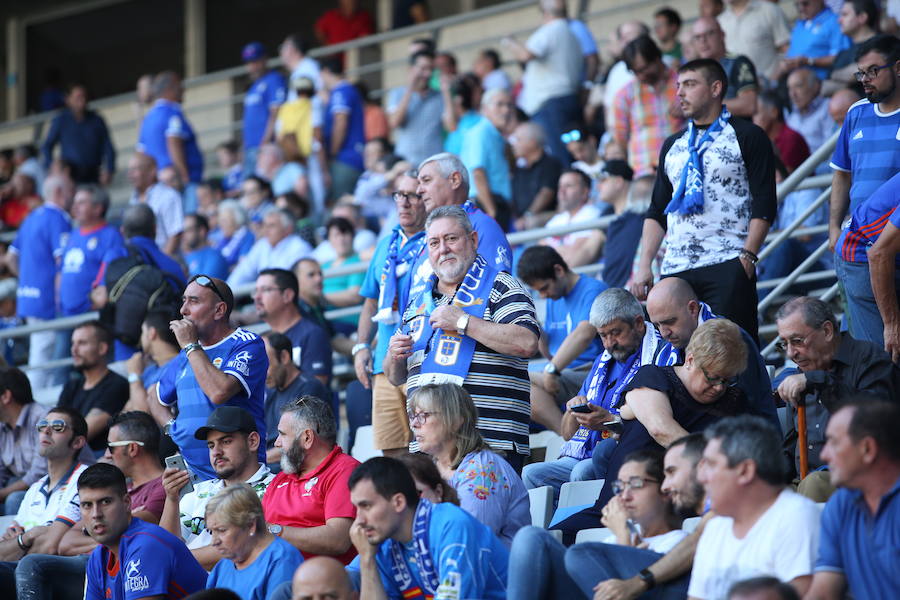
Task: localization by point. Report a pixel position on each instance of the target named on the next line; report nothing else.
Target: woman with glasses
(443, 419)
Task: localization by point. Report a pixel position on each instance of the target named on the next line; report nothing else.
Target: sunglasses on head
(571, 136)
(208, 283)
(57, 425)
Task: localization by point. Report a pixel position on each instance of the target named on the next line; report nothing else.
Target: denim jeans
(863, 318)
(48, 577)
(13, 501)
(553, 116)
(537, 568)
(557, 472)
(592, 562)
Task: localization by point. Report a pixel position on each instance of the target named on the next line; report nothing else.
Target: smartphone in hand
(581, 408)
(176, 461)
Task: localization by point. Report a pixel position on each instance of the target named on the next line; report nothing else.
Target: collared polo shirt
(39, 245)
(43, 506)
(817, 37)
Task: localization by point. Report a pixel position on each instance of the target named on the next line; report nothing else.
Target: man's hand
(12, 531)
(617, 589)
(445, 317)
(358, 537)
(551, 383)
(173, 480)
(400, 347)
(362, 364)
(792, 388)
(185, 331)
(833, 234)
(641, 283)
(136, 363)
(99, 297)
(749, 267)
(595, 419)
(892, 341)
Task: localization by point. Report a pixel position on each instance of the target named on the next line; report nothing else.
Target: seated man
(311, 299)
(308, 503)
(278, 246)
(859, 523)
(534, 179)
(411, 548)
(568, 339)
(135, 559)
(231, 435)
(158, 347)
(582, 247)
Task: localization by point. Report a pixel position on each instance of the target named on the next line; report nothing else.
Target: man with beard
(135, 559)
(97, 393)
(308, 503)
(232, 438)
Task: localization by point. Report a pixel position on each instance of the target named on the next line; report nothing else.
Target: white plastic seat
(541, 501)
(576, 493)
(364, 444)
(597, 534)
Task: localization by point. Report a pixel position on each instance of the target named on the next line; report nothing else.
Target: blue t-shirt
(151, 562)
(274, 565)
(863, 547)
(868, 147)
(345, 99)
(39, 244)
(151, 253)
(84, 263)
(868, 221)
(233, 178)
(564, 315)
(206, 260)
(484, 147)
(817, 37)
(242, 355)
(453, 143)
(311, 348)
(468, 558)
(166, 119)
(265, 93)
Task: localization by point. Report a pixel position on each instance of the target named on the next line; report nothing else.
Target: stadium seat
(576, 493)
(541, 501)
(364, 445)
(598, 534)
(554, 445)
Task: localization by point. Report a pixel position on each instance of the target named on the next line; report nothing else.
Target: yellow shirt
(296, 117)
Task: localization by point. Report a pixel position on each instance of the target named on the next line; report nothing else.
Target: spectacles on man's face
(797, 342)
(121, 443)
(209, 284)
(717, 381)
(419, 418)
(57, 425)
(571, 136)
(404, 197)
(871, 73)
(635, 483)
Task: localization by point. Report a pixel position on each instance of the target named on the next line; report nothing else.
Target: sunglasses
(121, 443)
(208, 283)
(571, 136)
(57, 425)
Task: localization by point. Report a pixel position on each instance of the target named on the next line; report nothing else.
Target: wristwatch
(191, 347)
(462, 323)
(551, 368)
(647, 577)
(357, 347)
(133, 378)
(275, 529)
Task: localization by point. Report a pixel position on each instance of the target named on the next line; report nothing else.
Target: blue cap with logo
(253, 51)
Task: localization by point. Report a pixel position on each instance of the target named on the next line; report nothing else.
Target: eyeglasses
(796, 342)
(419, 418)
(403, 197)
(714, 381)
(871, 72)
(571, 136)
(121, 443)
(208, 283)
(57, 425)
(635, 483)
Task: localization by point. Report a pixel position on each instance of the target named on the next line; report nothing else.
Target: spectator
(758, 587)
(709, 42)
(756, 28)
(553, 75)
(582, 145)
(97, 393)
(137, 434)
(168, 137)
(344, 132)
(374, 117)
(429, 482)
(809, 116)
(165, 202)
(344, 23)
(158, 347)
(779, 525)
(862, 511)
(860, 21)
(299, 207)
(256, 193)
(840, 103)
(254, 561)
(322, 577)
(409, 12)
(568, 341)
(488, 68)
(666, 27)
(85, 144)
(465, 558)
(283, 176)
(462, 99)
(861, 162)
(483, 154)
(310, 297)
(373, 188)
(292, 52)
(233, 238)
(228, 157)
(645, 111)
(217, 365)
(276, 304)
(27, 163)
(623, 234)
(129, 543)
(294, 124)
(832, 367)
(790, 147)
(199, 256)
(504, 330)
(308, 503)
(233, 441)
(34, 257)
(443, 418)
(581, 247)
(343, 290)
(815, 40)
(718, 262)
(535, 178)
(586, 42)
(882, 258)
(414, 112)
(279, 248)
(18, 198)
(284, 383)
(261, 101)
(364, 239)
(619, 74)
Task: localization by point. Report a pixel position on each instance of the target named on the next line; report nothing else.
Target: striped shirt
(868, 221)
(498, 383)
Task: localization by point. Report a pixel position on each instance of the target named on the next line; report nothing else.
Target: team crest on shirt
(241, 363)
(92, 243)
(134, 580)
(217, 362)
(448, 350)
(308, 486)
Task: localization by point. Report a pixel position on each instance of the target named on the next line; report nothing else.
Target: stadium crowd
(191, 445)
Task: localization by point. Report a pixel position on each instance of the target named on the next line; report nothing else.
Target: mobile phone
(581, 408)
(176, 461)
(615, 426)
(634, 528)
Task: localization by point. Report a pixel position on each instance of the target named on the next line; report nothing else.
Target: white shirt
(657, 543)
(782, 543)
(555, 70)
(165, 202)
(264, 256)
(362, 241)
(43, 506)
(588, 212)
(619, 76)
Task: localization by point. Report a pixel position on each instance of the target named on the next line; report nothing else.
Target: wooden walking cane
(801, 440)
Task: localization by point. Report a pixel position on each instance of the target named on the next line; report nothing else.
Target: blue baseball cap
(253, 51)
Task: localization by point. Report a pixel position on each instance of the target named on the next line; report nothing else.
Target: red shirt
(335, 27)
(150, 497)
(310, 500)
(791, 148)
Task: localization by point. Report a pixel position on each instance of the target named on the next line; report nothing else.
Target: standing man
(709, 42)
(472, 325)
(218, 364)
(414, 112)
(85, 145)
(165, 202)
(386, 289)
(344, 131)
(756, 28)
(267, 92)
(484, 155)
(715, 224)
(860, 20)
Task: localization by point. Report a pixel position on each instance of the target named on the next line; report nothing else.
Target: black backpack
(136, 285)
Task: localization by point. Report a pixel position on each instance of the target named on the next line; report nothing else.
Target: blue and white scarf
(688, 197)
(583, 441)
(670, 356)
(427, 570)
(402, 253)
(447, 359)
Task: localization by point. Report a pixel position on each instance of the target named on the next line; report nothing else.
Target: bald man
(675, 310)
(840, 103)
(322, 578)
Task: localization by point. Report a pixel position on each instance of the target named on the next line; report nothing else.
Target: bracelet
(647, 577)
(191, 347)
(21, 543)
(753, 258)
(133, 378)
(358, 348)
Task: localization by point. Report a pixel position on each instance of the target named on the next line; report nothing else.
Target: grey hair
(237, 211)
(450, 212)
(492, 93)
(53, 184)
(138, 220)
(98, 195)
(274, 149)
(556, 8)
(612, 304)
(286, 218)
(456, 411)
(239, 506)
(533, 131)
(163, 82)
(748, 437)
(815, 312)
(312, 412)
(447, 165)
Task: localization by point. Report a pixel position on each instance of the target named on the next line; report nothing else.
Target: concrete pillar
(194, 38)
(384, 15)
(15, 68)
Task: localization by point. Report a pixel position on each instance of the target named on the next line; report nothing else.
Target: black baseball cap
(227, 419)
(618, 168)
